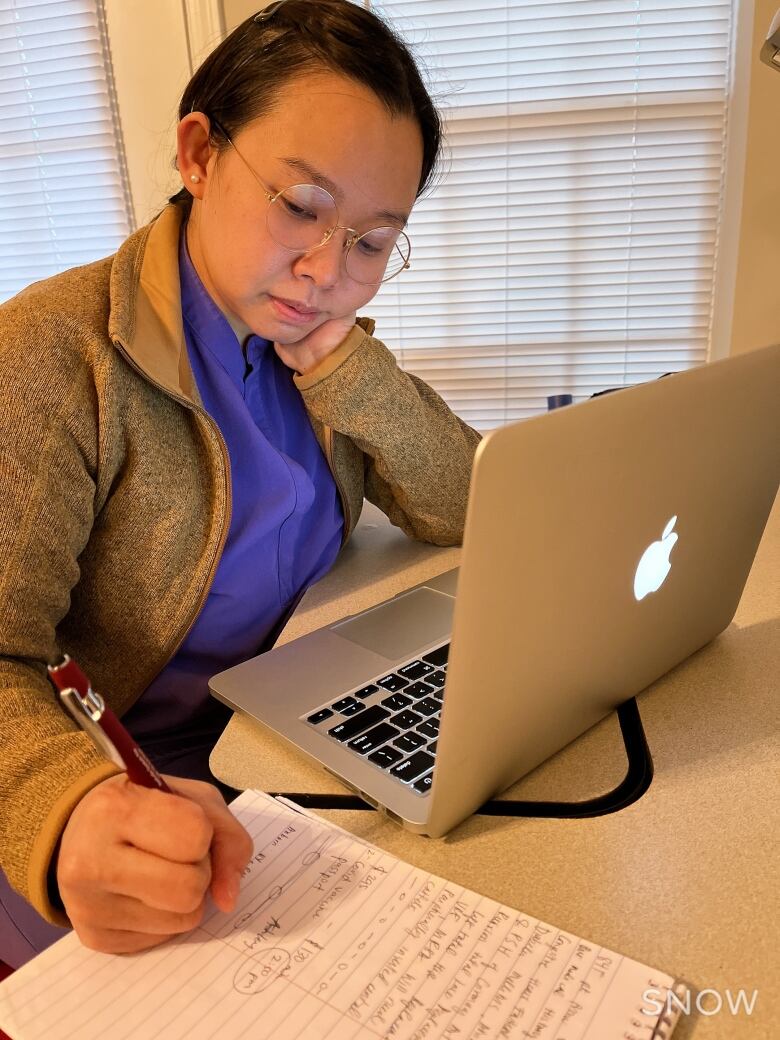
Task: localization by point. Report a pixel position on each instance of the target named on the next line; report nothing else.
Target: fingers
(107, 911)
(135, 865)
(166, 825)
(159, 884)
(231, 849)
(303, 355)
(106, 940)
(231, 845)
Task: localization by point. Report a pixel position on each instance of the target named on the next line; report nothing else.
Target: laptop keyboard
(393, 721)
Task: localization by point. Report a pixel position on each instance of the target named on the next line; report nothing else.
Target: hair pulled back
(241, 79)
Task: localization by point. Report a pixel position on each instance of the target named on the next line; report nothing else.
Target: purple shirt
(285, 529)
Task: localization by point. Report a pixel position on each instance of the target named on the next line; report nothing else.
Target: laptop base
(637, 780)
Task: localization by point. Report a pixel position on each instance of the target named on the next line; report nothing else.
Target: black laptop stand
(636, 781)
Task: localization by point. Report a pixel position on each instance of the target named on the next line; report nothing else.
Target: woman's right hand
(135, 864)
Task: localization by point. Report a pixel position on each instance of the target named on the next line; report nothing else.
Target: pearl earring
(194, 178)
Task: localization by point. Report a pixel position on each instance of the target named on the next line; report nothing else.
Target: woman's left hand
(309, 351)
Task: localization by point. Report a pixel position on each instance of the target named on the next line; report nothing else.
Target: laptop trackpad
(402, 626)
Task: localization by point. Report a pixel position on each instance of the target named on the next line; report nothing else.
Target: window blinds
(63, 196)
(571, 243)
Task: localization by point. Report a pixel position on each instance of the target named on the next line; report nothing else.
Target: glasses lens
(378, 255)
(300, 217)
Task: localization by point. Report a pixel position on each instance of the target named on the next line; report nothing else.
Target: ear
(193, 152)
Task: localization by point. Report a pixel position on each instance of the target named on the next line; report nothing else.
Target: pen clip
(87, 712)
(91, 713)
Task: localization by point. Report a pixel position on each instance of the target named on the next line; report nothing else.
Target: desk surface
(685, 878)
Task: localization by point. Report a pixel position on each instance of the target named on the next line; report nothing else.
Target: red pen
(91, 714)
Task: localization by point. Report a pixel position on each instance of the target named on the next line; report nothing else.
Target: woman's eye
(368, 249)
(299, 212)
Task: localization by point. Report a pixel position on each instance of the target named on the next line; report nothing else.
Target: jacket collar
(145, 317)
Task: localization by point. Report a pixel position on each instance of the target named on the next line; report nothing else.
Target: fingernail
(232, 889)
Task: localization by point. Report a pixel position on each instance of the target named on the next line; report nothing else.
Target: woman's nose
(324, 264)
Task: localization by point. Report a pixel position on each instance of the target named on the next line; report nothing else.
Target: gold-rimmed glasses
(304, 217)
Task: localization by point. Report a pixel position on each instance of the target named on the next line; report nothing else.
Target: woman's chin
(289, 333)
(275, 331)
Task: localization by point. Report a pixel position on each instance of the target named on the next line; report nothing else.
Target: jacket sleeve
(418, 453)
(47, 457)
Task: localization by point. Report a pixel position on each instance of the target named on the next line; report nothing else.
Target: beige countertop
(685, 878)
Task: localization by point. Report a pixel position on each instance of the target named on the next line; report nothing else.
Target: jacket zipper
(228, 506)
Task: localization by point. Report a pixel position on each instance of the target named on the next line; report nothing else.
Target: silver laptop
(605, 542)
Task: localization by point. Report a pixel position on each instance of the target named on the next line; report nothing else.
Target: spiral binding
(665, 1025)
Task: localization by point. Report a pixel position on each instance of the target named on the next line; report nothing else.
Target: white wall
(757, 296)
(151, 62)
(237, 10)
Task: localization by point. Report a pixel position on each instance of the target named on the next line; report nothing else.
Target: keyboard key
(406, 719)
(436, 679)
(320, 716)
(347, 706)
(353, 709)
(432, 748)
(415, 670)
(429, 728)
(374, 738)
(358, 723)
(418, 689)
(409, 742)
(386, 757)
(423, 785)
(438, 657)
(396, 702)
(413, 767)
(392, 682)
(438, 694)
(428, 707)
(366, 691)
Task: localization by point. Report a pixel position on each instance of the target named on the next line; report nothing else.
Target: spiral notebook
(334, 939)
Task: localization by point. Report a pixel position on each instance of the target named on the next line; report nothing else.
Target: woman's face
(324, 129)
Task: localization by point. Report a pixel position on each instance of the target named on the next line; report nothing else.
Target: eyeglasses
(304, 217)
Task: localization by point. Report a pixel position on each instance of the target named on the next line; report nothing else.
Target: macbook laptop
(605, 542)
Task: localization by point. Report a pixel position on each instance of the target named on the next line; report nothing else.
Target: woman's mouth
(292, 311)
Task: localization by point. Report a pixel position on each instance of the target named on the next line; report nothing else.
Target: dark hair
(241, 78)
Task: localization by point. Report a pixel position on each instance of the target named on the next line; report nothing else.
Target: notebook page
(334, 939)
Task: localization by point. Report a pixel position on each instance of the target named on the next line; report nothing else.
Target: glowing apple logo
(654, 565)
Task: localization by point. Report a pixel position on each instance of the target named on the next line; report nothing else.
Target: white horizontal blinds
(571, 244)
(63, 198)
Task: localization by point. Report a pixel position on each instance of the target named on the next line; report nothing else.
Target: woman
(187, 432)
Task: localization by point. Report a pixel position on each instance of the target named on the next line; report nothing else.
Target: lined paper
(334, 939)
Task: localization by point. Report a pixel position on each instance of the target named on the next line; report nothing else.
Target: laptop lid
(605, 542)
